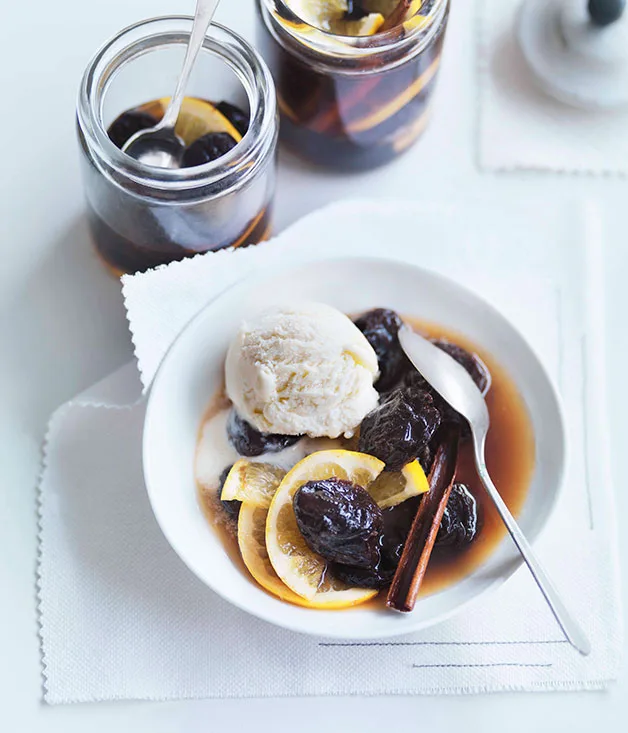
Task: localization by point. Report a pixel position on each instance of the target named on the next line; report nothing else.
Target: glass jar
(349, 102)
(142, 216)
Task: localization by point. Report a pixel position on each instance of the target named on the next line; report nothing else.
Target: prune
(381, 326)
(339, 521)
(250, 442)
(238, 118)
(398, 429)
(231, 507)
(397, 523)
(471, 362)
(127, 124)
(207, 148)
(459, 525)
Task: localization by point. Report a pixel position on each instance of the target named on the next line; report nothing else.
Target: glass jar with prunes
(141, 215)
(354, 78)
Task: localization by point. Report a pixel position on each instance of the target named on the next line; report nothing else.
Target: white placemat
(121, 617)
(520, 127)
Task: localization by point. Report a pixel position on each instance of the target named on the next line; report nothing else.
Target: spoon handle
(571, 628)
(205, 10)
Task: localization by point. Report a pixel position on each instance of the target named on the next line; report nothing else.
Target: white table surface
(62, 327)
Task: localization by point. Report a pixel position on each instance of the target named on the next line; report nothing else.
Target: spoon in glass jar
(160, 145)
(455, 385)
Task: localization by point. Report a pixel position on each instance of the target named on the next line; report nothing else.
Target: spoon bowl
(158, 146)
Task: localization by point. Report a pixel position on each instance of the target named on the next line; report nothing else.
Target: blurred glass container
(143, 216)
(352, 102)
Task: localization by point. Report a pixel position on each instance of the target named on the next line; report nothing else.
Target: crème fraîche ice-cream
(302, 370)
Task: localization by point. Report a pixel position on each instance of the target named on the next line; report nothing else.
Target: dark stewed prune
(207, 148)
(398, 429)
(250, 442)
(339, 521)
(231, 507)
(459, 525)
(397, 523)
(471, 362)
(127, 124)
(238, 118)
(381, 326)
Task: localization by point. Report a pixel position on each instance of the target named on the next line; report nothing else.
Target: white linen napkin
(521, 127)
(122, 617)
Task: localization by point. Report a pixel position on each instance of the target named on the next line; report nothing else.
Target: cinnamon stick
(416, 553)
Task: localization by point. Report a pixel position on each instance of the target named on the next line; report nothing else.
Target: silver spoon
(160, 145)
(455, 385)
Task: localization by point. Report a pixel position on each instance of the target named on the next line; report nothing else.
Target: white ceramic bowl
(192, 372)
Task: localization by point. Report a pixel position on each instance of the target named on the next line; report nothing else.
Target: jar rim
(324, 41)
(151, 34)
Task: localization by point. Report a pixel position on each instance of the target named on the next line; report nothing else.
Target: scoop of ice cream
(302, 370)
